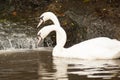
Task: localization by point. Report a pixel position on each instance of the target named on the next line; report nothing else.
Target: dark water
(40, 65)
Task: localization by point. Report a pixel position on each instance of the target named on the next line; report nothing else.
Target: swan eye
(41, 18)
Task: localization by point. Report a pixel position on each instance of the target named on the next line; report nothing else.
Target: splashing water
(18, 36)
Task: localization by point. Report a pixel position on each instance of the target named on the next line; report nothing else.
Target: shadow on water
(22, 64)
(40, 65)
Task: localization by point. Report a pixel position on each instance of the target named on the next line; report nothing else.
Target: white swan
(96, 48)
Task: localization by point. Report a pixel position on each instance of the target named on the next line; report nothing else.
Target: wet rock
(1, 25)
(96, 21)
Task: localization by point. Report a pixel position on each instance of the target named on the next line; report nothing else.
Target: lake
(39, 64)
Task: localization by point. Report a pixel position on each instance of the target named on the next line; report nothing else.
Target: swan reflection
(75, 69)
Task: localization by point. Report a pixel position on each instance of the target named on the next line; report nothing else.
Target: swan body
(96, 48)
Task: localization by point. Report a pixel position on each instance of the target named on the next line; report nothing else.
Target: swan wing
(98, 48)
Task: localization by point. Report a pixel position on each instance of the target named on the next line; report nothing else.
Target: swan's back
(97, 48)
(100, 42)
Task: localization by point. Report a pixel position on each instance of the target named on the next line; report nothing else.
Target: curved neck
(60, 34)
(55, 20)
(61, 37)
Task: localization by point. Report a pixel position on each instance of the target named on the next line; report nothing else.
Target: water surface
(40, 65)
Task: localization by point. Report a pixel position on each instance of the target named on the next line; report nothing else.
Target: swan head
(41, 35)
(44, 17)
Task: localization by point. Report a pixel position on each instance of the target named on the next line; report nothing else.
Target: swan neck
(55, 20)
(61, 37)
(60, 33)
